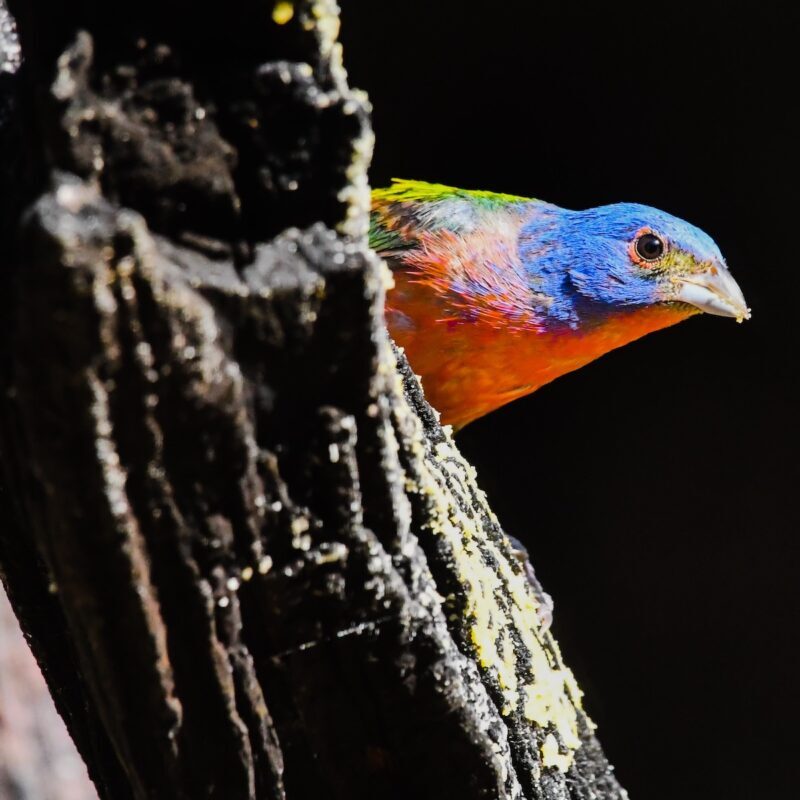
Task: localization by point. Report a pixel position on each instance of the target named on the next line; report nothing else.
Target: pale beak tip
(714, 292)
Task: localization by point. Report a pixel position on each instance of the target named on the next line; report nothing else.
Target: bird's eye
(649, 247)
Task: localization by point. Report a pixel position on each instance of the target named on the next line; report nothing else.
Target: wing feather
(455, 249)
(406, 209)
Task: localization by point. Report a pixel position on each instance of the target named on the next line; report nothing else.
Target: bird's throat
(469, 368)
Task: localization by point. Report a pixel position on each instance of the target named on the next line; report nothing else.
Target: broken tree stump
(250, 562)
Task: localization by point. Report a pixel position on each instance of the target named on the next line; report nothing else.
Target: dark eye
(649, 247)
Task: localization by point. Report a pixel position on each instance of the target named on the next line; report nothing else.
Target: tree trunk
(249, 561)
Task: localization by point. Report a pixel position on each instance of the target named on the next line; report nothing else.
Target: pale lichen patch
(282, 13)
(500, 611)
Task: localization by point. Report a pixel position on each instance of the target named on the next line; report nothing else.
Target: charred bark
(249, 560)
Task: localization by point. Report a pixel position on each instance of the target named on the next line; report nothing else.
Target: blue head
(597, 261)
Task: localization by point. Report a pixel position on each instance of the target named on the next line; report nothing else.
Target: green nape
(403, 190)
(395, 206)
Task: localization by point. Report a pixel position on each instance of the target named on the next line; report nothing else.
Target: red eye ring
(647, 247)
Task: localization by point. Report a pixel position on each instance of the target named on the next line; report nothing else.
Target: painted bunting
(496, 295)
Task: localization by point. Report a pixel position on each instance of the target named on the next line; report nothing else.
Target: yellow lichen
(552, 698)
(551, 757)
(282, 13)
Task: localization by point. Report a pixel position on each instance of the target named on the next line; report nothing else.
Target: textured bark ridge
(248, 559)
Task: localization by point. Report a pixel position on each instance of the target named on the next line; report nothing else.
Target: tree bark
(249, 561)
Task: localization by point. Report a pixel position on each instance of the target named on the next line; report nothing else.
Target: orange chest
(469, 368)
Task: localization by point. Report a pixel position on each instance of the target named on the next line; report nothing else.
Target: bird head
(625, 256)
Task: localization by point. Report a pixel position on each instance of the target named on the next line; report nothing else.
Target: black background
(656, 488)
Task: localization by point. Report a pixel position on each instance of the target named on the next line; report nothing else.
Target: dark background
(656, 488)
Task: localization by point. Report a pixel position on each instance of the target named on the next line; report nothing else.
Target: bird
(496, 295)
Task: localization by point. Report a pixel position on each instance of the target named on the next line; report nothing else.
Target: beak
(713, 291)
